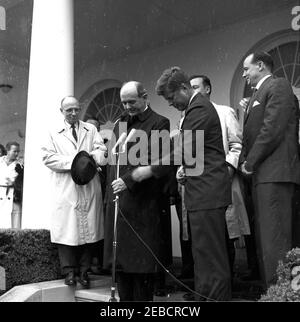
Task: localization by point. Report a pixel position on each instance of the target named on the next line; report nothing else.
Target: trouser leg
(125, 286)
(250, 240)
(143, 287)
(273, 226)
(211, 268)
(84, 253)
(67, 258)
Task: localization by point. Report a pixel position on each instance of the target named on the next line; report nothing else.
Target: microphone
(129, 136)
(119, 142)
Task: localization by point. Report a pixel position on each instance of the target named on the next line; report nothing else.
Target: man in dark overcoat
(270, 157)
(207, 192)
(139, 229)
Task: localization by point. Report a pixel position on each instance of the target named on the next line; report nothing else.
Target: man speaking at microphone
(139, 196)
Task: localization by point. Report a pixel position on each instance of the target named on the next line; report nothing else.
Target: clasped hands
(139, 174)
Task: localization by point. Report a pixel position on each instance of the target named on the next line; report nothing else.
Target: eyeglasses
(130, 102)
(71, 110)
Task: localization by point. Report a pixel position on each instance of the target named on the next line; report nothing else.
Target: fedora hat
(83, 168)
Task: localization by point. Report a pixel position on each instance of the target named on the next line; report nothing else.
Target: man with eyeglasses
(142, 212)
(77, 214)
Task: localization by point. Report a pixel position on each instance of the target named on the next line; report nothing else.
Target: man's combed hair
(10, 144)
(206, 81)
(171, 80)
(141, 91)
(265, 58)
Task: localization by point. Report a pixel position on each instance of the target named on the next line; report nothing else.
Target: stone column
(51, 77)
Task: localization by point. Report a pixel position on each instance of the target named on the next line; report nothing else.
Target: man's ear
(261, 65)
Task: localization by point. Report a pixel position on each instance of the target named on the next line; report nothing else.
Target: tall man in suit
(236, 215)
(140, 187)
(270, 156)
(207, 194)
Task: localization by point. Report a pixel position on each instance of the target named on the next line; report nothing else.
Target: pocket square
(255, 103)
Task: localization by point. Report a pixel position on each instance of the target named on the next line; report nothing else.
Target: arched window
(103, 104)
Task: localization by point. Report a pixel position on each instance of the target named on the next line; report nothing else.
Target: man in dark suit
(140, 188)
(207, 194)
(270, 156)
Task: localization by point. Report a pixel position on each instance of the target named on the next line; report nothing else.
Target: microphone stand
(116, 201)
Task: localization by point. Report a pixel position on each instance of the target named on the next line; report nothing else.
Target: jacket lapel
(254, 96)
(67, 134)
(252, 100)
(82, 132)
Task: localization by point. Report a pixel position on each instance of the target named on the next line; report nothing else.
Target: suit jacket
(211, 189)
(270, 134)
(141, 204)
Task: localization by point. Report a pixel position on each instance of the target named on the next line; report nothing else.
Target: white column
(51, 77)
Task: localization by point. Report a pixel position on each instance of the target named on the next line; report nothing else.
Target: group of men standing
(267, 152)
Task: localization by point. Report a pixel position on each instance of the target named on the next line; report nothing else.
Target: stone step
(97, 294)
(96, 281)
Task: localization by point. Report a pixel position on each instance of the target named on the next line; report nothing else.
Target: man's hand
(118, 185)
(244, 102)
(244, 171)
(180, 175)
(141, 173)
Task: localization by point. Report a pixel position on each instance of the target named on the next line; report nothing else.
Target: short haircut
(205, 80)
(265, 58)
(69, 96)
(171, 80)
(141, 91)
(10, 144)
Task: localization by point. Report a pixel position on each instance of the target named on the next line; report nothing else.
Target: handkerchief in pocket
(255, 103)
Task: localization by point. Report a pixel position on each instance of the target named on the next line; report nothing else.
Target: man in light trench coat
(77, 214)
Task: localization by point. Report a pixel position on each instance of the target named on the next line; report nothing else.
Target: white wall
(216, 53)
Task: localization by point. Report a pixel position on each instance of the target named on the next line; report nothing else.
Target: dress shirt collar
(261, 81)
(195, 93)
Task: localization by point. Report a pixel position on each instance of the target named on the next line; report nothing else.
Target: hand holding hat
(83, 168)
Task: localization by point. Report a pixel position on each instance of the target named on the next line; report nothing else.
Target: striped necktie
(74, 132)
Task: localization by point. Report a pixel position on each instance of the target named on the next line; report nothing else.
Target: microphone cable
(161, 264)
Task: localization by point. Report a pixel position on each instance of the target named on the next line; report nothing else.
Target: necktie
(74, 132)
(251, 101)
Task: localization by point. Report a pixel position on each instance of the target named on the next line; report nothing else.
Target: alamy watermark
(2, 18)
(155, 149)
(296, 20)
